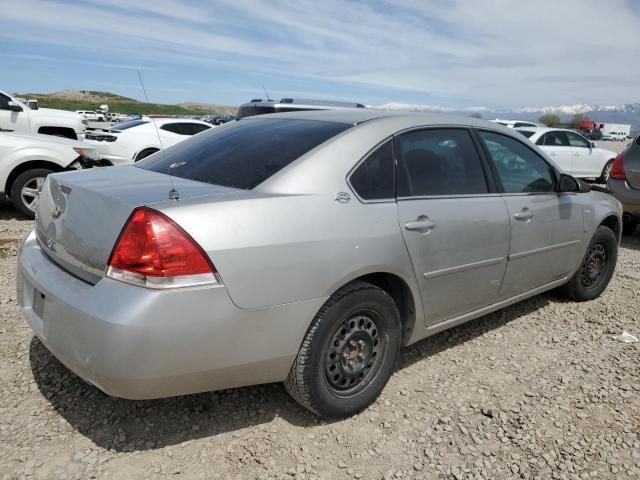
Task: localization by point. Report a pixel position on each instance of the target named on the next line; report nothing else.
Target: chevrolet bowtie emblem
(56, 212)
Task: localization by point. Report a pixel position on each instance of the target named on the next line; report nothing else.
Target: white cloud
(494, 52)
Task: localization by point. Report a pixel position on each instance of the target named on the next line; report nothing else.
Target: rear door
(556, 144)
(546, 227)
(455, 226)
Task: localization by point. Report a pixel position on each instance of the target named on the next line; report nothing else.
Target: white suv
(16, 116)
(25, 161)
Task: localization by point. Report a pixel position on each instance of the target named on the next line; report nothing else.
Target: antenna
(266, 93)
(173, 193)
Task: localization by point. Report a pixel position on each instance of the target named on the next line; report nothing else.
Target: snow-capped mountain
(625, 113)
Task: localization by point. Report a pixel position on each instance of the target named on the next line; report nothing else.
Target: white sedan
(572, 152)
(131, 141)
(25, 161)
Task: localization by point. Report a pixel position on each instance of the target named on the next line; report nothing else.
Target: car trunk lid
(80, 215)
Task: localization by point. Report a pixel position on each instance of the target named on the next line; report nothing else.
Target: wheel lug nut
(361, 343)
(352, 344)
(345, 355)
(361, 356)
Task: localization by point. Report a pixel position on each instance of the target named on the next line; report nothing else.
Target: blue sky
(493, 53)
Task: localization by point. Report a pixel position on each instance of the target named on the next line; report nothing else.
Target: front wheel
(596, 269)
(348, 353)
(25, 190)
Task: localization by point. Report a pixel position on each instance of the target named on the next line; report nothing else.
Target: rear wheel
(606, 172)
(348, 353)
(596, 269)
(25, 189)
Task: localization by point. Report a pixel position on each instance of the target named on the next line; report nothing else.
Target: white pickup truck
(17, 117)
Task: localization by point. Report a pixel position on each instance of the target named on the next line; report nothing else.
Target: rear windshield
(132, 123)
(526, 133)
(244, 154)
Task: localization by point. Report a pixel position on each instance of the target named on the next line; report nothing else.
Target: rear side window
(193, 128)
(173, 128)
(439, 162)
(520, 169)
(373, 179)
(243, 154)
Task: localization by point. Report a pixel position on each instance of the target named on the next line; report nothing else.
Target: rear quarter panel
(276, 249)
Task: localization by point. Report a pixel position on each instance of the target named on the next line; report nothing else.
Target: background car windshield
(132, 123)
(244, 154)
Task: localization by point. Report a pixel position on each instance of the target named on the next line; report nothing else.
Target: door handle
(422, 224)
(525, 215)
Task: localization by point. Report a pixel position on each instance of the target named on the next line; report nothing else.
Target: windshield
(243, 154)
(526, 133)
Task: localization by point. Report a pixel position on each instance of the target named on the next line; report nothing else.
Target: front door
(556, 144)
(10, 120)
(586, 161)
(547, 228)
(456, 230)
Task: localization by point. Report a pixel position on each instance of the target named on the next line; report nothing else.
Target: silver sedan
(302, 247)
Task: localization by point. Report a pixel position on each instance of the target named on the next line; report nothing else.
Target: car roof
(163, 121)
(356, 116)
(544, 129)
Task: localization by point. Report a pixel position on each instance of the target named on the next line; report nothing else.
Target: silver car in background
(302, 247)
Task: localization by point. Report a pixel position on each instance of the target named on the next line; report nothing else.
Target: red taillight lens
(617, 169)
(153, 251)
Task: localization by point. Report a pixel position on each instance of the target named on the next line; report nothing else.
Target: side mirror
(592, 145)
(14, 107)
(569, 184)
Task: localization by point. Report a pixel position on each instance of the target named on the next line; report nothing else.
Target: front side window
(374, 178)
(4, 102)
(520, 169)
(578, 140)
(439, 162)
(244, 154)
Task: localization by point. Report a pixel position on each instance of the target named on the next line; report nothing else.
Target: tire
(24, 188)
(348, 353)
(146, 153)
(592, 277)
(606, 171)
(628, 228)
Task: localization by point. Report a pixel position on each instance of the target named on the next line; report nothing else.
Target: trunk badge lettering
(55, 214)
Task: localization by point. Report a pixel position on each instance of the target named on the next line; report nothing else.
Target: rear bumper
(137, 343)
(629, 197)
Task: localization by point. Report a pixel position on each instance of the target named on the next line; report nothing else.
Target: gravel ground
(540, 390)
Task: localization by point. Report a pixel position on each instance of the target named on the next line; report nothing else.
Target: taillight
(153, 251)
(617, 169)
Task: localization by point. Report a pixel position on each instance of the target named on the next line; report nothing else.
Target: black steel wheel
(354, 354)
(597, 267)
(348, 353)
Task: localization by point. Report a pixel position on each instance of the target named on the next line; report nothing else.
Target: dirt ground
(539, 390)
